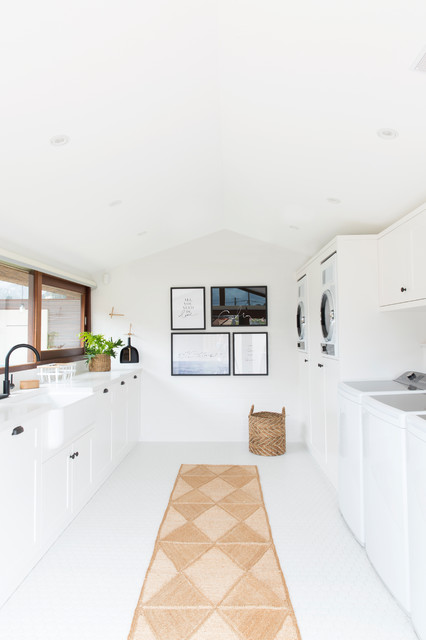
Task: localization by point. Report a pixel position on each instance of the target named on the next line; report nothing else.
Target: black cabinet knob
(72, 456)
(106, 390)
(122, 382)
(135, 377)
(403, 289)
(320, 365)
(306, 360)
(76, 454)
(17, 431)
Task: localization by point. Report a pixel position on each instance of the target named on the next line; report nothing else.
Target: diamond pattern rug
(214, 573)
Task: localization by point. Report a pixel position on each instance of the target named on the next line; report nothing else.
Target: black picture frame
(201, 354)
(250, 353)
(239, 306)
(187, 308)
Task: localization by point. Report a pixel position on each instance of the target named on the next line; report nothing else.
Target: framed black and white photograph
(250, 354)
(188, 308)
(201, 354)
(239, 307)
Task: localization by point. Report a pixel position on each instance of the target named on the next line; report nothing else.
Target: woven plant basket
(101, 362)
(267, 433)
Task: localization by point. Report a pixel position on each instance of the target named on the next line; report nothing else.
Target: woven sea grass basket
(267, 433)
(101, 362)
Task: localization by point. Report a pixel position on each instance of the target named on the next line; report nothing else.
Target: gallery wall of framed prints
(209, 353)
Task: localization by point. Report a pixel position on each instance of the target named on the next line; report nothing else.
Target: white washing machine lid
(416, 425)
(395, 404)
(373, 386)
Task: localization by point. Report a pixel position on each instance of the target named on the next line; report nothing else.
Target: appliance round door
(301, 320)
(327, 315)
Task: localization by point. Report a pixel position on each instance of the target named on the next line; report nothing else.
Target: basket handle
(283, 412)
(251, 410)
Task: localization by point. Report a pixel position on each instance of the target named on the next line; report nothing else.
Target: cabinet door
(55, 495)
(118, 419)
(81, 466)
(332, 371)
(101, 453)
(418, 256)
(395, 284)
(317, 405)
(134, 409)
(18, 466)
(304, 397)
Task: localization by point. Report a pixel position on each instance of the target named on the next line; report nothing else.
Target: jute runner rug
(214, 573)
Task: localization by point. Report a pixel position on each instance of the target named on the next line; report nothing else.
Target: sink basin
(69, 414)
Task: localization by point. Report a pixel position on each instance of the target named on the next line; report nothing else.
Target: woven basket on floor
(267, 433)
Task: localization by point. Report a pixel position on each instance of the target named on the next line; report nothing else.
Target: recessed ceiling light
(115, 203)
(142, 233)
(334, 200)
(293, 226)
(387, 134)
(59, 140)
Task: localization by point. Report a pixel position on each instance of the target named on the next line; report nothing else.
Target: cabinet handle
(122, 382)
(17, 431)
(306, 360)
(135, 377)
(106, 390)
(403, 289)
(72, 456)
(76, 454)
(320, 365)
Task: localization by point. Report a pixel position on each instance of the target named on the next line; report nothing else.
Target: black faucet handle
(11, 383)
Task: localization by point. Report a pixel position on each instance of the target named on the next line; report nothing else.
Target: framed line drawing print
(188, 308)
(239, 307)
(250, 354)
(201, 354)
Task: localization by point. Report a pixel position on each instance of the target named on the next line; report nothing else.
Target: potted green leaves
(98, 350)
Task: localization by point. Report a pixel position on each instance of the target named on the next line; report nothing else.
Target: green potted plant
(98, 350)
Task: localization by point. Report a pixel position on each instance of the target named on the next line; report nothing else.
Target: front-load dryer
(328, 311)
(301, 314)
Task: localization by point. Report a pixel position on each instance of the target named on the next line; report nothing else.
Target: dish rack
(53, 373)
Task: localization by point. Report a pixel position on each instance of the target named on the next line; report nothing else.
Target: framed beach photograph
(239, 307)
(201, 354)
(250, 354)
(188, 308)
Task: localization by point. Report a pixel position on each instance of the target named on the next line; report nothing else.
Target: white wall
(204, 408)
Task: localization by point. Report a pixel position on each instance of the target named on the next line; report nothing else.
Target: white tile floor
(87, 585)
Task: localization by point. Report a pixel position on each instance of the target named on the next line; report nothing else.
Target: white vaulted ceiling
(186, 117)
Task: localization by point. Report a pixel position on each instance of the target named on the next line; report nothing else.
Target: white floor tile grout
(87, 586)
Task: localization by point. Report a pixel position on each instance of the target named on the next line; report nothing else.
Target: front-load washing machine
(328, 311)
(351, 474)
(416, 487)
(385, 488)
(301, 314)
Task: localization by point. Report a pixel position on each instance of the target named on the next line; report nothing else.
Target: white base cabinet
(19, 478)
(45, 480)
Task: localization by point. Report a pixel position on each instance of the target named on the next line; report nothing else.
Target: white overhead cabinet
(402, 261)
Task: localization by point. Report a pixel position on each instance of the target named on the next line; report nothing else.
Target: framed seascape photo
(188, 308)
(250, 354)
(239, 307)
(201, 354)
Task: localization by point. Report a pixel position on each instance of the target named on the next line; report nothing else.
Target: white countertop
(25, 404)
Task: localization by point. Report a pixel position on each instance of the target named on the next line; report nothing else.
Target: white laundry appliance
(351, 473)
(416, 487)
(328, 306)
(301, 314)
(385, 487)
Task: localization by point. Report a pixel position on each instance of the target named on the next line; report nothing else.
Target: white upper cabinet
(402, 261)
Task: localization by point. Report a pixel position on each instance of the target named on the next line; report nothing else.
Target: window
(44, 311)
